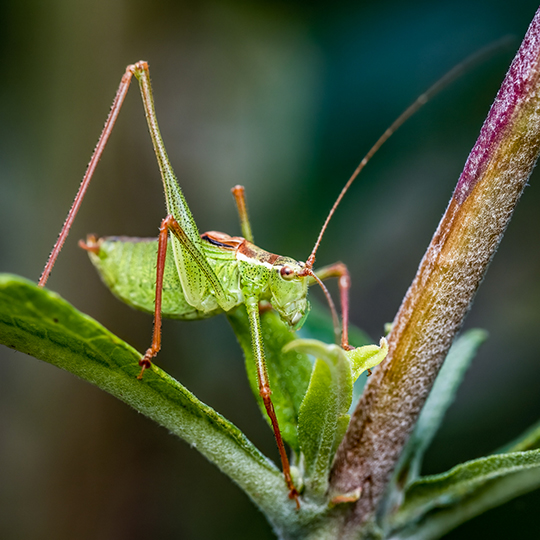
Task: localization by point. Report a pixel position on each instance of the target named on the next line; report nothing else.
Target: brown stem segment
(434, 307)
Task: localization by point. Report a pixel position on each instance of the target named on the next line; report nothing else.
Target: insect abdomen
(128, 267)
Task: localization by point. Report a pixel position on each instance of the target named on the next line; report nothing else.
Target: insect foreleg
(340, 271)
(252, 307)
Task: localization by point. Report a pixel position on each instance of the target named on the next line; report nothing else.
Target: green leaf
(451, 488)
(493, 493)
(529, 440)
(323, 415)
(367, 357)
(440, 398)
(289, 372)
(489, 495)
(38, 322)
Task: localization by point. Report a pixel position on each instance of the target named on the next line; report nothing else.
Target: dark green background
(283, 97)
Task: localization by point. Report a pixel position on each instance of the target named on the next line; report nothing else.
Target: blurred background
(283, 97)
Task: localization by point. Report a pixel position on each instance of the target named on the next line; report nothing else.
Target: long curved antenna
(333, 310)
(421, 100)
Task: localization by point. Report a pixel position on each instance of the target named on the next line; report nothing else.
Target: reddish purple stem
(440, 296)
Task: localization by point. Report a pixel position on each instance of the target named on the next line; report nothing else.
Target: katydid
(199, 276)
(205, 274)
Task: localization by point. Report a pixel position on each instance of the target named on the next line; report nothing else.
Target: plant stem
(440, 295)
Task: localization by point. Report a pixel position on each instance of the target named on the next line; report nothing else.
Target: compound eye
(287, 272)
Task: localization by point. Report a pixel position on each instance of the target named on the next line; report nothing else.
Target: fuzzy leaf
(40, 323)
(489, 495)
(323, 415)
(493, 493)
(367, 357)
(462, 482)
(289, 373)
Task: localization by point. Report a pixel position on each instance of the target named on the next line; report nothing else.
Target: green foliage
(367, 357)
(312, 402)
(425, 508)
(289, 368)
(38, 322)
(323, 415)
(447, 488)
(435, 504)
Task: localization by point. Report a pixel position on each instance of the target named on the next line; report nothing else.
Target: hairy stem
(437, 301)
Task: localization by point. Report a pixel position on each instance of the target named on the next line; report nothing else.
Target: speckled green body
(128, 268)
(204, 275)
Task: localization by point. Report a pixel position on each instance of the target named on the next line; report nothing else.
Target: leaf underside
(436, 504)
(40, 323)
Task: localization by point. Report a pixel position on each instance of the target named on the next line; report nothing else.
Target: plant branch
(440, 296)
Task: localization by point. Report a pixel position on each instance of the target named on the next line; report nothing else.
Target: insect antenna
(461, 68)
(333, 310)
